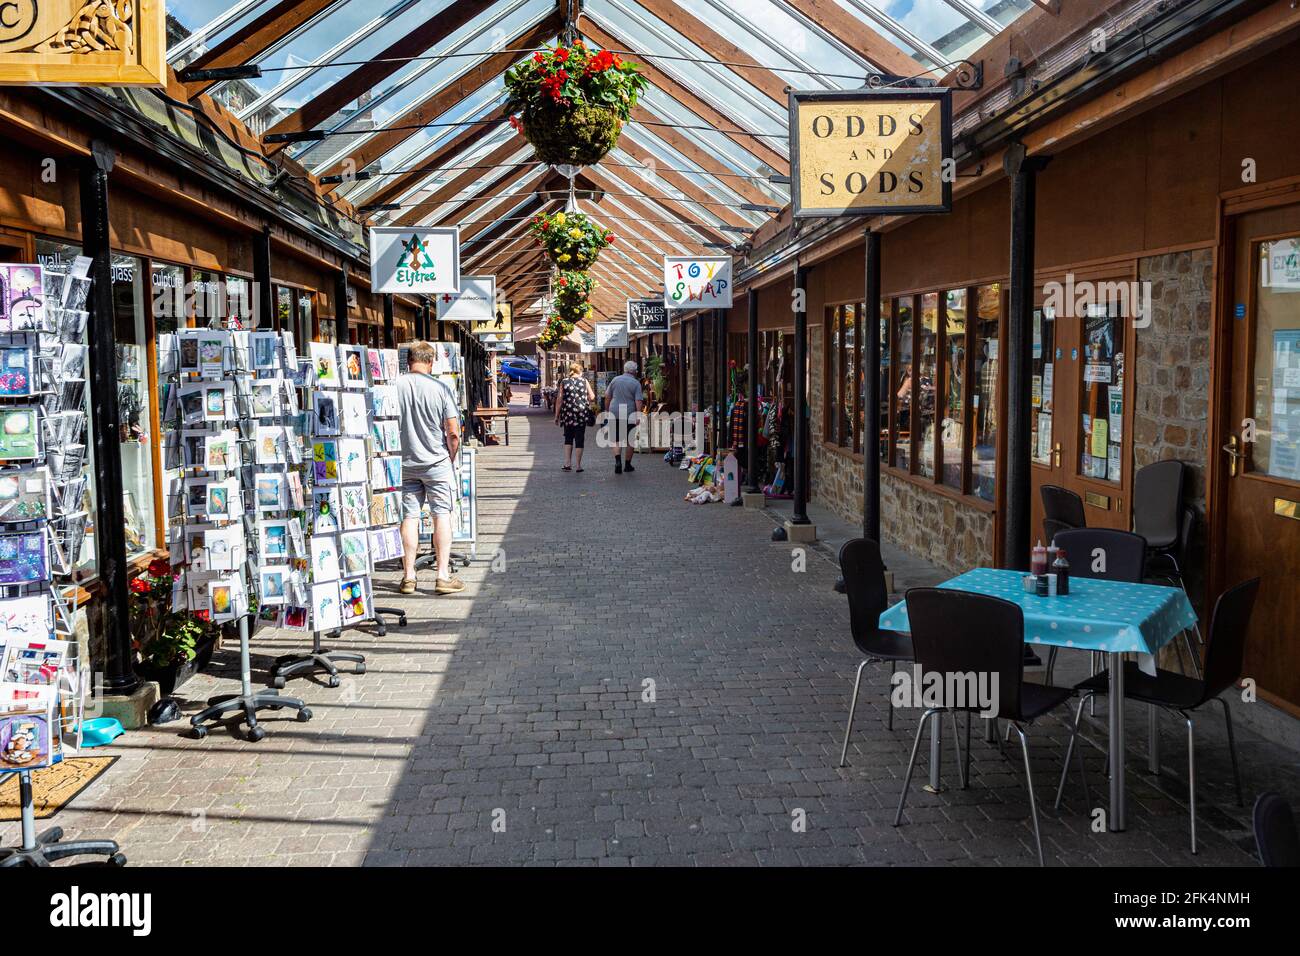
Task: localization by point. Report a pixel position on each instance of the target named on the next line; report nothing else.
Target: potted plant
(571, 103)
(556, 330)
(173, 646)
(571, 239)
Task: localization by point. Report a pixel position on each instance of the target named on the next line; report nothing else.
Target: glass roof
(786, 36)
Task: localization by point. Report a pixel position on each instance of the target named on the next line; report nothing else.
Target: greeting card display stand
(247, 700)
(43, 681)
(318, 659)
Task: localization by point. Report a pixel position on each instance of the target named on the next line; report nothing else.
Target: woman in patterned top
(572, 408)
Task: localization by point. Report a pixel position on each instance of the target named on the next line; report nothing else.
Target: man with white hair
(624, 399)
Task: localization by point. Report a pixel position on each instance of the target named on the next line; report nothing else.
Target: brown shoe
(408, 586)
(449, 585)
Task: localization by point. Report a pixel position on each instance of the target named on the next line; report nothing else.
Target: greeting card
(385, 508)
(385, 544)
(273, 537)
(326, 614)
(353, 507)
(352, 467)
(265, 347)
(24, 619)
(24, 495)
(221, 450)
(354, 413)
(375, 365)
(295, 618)
(325, 412)
(26, 738)
(325, 459)
(354, 554)
(324, 360)
(270, 491)
(35, 661)
(24, 557)
(383, 401)
(324, 557)
(325, 510)
(352, 366)
(19, 434)
(354, 599)
(15, 372)
(22, 298)
(266, 398)
(273, 584)
(386, 472)
(268, 444)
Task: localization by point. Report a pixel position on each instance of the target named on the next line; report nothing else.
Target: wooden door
(1260, 525)
(1052, 408)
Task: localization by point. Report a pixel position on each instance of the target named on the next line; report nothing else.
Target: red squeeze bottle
(1038, 560)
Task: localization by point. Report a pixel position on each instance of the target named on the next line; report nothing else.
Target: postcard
(268, 444)
(351, 461)
(22, 298)
(324, 360)
(392, 364)
(269, 491)
(375, 364)
(325, 459)
(24, 619)
(223, 501)
(353, 507)
(325, 412)
(265, 347)
(354, 420)
(386, 472)
(212, 345)
(294, 485)
(324, 557)
(35, 661)
(385, 544)
(273, 584)
(325, 510)
(383, 401)
(24, 495)
(326, 614)
(352, 366)
(224, 549)
(266, 398)
(295, 618)
(296, 538)
(354, 601)
(354, 554)
(221, 451)
(15, 372)
(273, 537)
(26, 738)
(385, 508)
(19, 434)
(24, 557)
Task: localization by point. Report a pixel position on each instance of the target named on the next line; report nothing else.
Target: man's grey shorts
(437, 488)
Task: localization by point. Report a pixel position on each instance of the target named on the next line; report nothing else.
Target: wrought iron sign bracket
(966, 76)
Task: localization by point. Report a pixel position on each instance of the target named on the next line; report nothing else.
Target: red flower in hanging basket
(538, 58)
(139, 586)
(561, 54)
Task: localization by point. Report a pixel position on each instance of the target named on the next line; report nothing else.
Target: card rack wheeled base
(45, 848)
(248, 701)
(381, 629)
(319, 658)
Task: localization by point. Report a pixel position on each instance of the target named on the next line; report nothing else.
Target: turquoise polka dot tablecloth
(1096, 615)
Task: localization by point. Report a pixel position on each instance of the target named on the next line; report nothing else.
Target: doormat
(52, 787)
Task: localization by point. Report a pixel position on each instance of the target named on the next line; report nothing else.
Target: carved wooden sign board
(82, 42)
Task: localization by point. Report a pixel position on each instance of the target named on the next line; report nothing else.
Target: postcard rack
(215, 426)
(43, 679)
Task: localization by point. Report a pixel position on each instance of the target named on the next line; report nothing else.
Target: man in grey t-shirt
(624, 399)
(430, 428)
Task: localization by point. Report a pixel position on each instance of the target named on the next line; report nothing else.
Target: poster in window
(1115, 397)
(1049, 380)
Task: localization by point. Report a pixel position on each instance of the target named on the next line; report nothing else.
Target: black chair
(1101, 553)
(1183, 695)
(864, 581)
(1160, 516)
(966, 636)
(1062, 509)
(1275, 832)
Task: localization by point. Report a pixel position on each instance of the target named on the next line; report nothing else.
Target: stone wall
(1172, 385)
(930, 525)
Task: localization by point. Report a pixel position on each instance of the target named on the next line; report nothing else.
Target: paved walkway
(635, 680)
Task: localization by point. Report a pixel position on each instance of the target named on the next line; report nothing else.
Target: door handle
(1056, 452)
(1233, 455)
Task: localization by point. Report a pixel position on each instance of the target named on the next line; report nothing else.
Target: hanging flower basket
(573, 289)
(557, 329)
(571, 104)
(571, 239)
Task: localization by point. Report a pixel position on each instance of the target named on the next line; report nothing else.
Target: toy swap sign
(697, 282)
(869, 152)
(476, 302)
(415, 259)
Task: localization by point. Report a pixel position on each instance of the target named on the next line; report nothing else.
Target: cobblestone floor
(638, 681)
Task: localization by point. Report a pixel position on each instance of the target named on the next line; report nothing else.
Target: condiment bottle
(1062, 569)
(1038, 560)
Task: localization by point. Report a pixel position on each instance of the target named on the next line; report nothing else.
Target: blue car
(520, 370)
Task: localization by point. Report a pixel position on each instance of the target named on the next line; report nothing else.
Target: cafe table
(1113, 617)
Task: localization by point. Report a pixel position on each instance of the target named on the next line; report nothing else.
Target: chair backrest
(1054, 526)
(1226, 641)
(1122, 557)
(1158, 502)
(960, 633)
(864, 583)
(1275, 832)
(1063, 505)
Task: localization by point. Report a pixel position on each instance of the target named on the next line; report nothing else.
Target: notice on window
(1048, 380)
(1097, 372)
(1036, 392)
(1100, 432)
(1044, 438)
(1115, 396)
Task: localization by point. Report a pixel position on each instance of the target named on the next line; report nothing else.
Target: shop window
(984, 408)
(1101, 401)
(903, 385)
(283, 308)
(923, 389)
(1043, 386)
(1276, 449)
(131, 298)
(848, 365)
(886, 319)
(952, 428)
(306, 319)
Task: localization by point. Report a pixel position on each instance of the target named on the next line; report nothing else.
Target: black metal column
(799, 512)
(871, 393)
(751, 397)
(390, 338)
(105, 425)
(263, 294)
(341, 305)
(1023, 171)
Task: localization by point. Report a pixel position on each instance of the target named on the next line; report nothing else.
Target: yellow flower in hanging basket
(575, 233)
(558, 219)
(564, 257)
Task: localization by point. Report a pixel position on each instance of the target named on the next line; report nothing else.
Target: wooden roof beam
(254, 38)
(853, 33)
(466, 178)
(462, 142)
(698, 155)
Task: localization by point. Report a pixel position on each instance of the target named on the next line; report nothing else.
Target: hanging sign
(420, 259)
(498, 327)
(587, 342)
(475, 302)
(611, 335)
(73, 42)
(647, 315)
(867, 152)
(697, 282)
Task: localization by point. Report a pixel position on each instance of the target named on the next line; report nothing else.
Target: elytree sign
(76, 42)
(868, 152)
(646, 315)
(419, 259)
(697, 282)
(475, 302)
